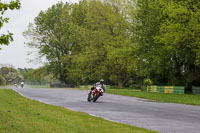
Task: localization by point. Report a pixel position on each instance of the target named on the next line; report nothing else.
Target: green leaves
(167, 32)
(120, 40)
(81, 41)
(8, 75)
(50, 35)
(5, 39)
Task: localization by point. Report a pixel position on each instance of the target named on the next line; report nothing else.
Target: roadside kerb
(166, 89)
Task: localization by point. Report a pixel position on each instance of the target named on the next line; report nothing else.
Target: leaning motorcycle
(94, 94)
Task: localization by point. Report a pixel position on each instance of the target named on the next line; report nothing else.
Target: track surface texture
(161, 117)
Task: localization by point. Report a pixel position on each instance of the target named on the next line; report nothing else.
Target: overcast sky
(16, 53)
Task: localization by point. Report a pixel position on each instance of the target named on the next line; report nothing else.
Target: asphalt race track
(162, 117)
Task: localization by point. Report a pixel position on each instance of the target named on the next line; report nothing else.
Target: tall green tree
(180, 36)
(87, 41)
(168, 40)
(105, 41)
(50, 34)
(149, 17)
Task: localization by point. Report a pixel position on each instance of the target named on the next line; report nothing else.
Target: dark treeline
(125, 42)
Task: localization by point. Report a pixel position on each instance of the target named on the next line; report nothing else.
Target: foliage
(50, 35)
(104, 40)
(147, 82)
(37, 76)
(179, 35)
(168, 40)
(6, 38)
(123, 42)
(10, 75)
(2, 80)
(94, 34)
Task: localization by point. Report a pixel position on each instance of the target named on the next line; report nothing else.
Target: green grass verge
(25, 86)
(6, 86)
(172, 98)
(22, 115)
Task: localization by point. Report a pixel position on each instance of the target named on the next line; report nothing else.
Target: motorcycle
(22, 85)
(94, 94)
(15, 85)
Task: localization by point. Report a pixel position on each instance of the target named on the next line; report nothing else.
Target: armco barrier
(90, 86)
(166, 89)
(195, 90)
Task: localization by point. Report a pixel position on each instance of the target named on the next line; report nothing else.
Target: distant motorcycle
(94, 94)
(22, 84)
(15, 85)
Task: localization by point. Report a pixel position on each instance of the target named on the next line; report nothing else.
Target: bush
(147, 82)
(2, 80)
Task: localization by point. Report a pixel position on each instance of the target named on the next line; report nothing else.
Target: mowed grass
(171, 98)
(21, 115)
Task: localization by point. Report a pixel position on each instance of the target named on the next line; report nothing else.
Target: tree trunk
(122, 78)
(120, 84)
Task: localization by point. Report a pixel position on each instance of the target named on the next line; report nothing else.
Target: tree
(168, 41)
(50, 34)
(179, 34)
(6, 38)
(9, 74)
(147, 26)
(2, 80)
(105, 37)
(87, 41)
(36, 76)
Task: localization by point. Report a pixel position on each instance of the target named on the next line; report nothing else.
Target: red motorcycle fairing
(94, 92)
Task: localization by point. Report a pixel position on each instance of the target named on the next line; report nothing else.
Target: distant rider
(101, 82)
(15, 85)
(22, 84)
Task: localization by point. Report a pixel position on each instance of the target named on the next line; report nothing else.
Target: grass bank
(22, 115)
(172, 98)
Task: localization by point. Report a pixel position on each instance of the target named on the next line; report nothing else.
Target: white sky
(16, 53)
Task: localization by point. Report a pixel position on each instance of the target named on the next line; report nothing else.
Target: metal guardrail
(196, 90)
(166, 89)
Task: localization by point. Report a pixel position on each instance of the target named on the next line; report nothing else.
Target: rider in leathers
(99, 83)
